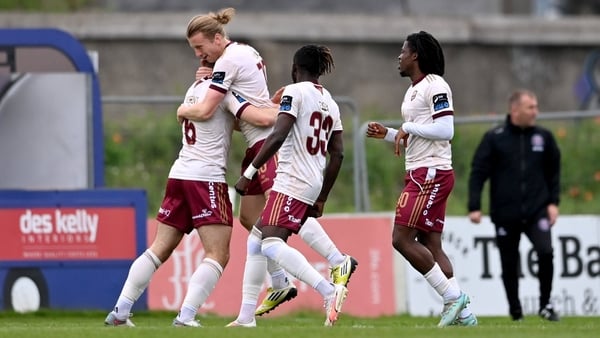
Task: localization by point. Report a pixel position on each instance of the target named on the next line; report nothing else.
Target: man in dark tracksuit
(522, 162)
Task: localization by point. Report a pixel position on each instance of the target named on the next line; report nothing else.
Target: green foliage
(579, 141)
(58, 324)
(141, 150)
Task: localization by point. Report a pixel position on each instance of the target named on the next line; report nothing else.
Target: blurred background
(88, 133)
(492, 47)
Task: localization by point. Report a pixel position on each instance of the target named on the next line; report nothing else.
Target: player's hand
(316, 210)
(242, 185)
(400, 142)
(376, 130)
(180, 112)
(475, 216)
(552, 213)
(203, 73)
(276, 99)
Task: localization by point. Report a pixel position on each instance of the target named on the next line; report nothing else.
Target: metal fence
(360, 169)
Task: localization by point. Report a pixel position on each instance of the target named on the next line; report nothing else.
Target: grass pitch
(58, 324)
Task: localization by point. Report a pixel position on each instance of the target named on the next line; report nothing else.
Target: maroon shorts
(284, 211)
(262, 181)
(192, 204)
(422, 203)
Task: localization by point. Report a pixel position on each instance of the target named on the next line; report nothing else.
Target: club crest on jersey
(537, 143)
(238, 97)
(440, 101)
(218, 77)
(324, 107)
(413, 95)
(286, 103)
(190, 100)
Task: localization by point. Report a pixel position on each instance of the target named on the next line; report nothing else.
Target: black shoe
(517, 315)
(548, 313)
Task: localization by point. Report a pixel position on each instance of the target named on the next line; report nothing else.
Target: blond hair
(210, 24)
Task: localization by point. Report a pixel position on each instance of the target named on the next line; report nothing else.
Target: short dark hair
(515, 97)
(316, 60)
(431, 55)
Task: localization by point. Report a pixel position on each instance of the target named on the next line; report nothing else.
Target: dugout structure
(67, 241)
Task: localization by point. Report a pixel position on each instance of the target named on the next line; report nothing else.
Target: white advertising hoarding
(476, 262)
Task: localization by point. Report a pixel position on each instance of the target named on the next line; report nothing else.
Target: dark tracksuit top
(523, 166)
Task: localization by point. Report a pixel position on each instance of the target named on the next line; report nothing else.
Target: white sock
(292, 261)
(254, 276)
(466, 312)
(137, 281)
(279, 278)
(436, 278)
(313, 234)
(201, 284)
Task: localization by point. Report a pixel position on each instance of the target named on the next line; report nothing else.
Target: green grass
(54, 324)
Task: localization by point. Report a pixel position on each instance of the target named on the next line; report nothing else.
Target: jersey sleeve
(235, 103)
(290, 101)
(224, 72)
(337, 126)
(440, 99)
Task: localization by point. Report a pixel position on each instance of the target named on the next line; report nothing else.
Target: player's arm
(273, 142)
(244, 110)
(335, 149)
(378, 130)
(442, 128)
(202, 110)
(260, 117)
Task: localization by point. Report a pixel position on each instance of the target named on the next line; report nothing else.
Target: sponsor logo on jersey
(286, 103)
(218, 77)
(440, 101)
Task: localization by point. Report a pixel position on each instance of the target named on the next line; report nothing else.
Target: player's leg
(274, 246)
(539, 233)
(250, 208)
(215, 241)
(426, 190)
(508, 238)
(254, 276)
(211, 200)
(433, 242)
(252, 204)
(166, 239)
(342, 266)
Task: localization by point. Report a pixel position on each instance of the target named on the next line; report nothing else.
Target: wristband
(250, 171)
(390, 136)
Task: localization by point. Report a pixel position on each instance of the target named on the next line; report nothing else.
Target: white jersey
(241, 70)
(423, 102)
(203, 156)
(302, 156)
